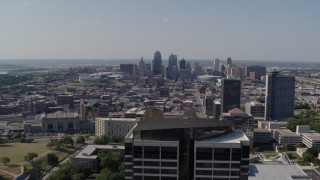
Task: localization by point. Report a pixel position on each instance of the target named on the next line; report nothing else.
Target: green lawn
(293, 154)
(17, 151)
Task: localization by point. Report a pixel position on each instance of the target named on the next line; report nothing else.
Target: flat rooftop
(286, 132)
(158, 124)
(89, 151)
(276, 172)
(236, 136)
(117, 119)
(312, 136)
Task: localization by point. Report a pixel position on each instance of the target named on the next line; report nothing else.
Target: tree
(30, 156)
(52, 159)
(67, 140)
(5, 160)
(80, 140)
(287, 147)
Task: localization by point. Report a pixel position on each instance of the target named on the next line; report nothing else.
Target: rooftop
(89, 151)
(178, 124)
(235, 136)
(312, 136)
(117, 119)
(276, 172)
(286, 132)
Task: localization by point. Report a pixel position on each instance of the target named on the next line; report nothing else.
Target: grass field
(17, 151)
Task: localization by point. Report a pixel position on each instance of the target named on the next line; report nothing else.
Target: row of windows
(154, 171)
(222, 154)
(155, 163)
(217, 173)
(153, 178)
(153, 152)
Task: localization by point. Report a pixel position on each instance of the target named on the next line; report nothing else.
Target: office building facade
(179, 149)
(157, 63)
(230, 94)
(279, 98)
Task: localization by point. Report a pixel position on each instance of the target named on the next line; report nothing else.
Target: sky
(285, 30)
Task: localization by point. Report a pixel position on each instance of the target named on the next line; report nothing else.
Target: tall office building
(171, 70)
(173, 60)
(216, 64)
(157, 63)
(182, 64)
(172, 149)
(142, 68)
(257, 70)
(229, 60)
(230, 94)
(280, 91)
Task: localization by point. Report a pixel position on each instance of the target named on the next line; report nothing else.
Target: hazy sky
(204, 29)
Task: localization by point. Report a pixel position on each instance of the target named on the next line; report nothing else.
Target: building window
(168, 164)
(151, 163)
(151, 171)
(204, 165)
(203, 172)
(137, 152)
(204, 154)
(221, 165)
(151, 152)
(168, 171)
(221, 173)
(236, 154)
(222, 154)
(168, 152)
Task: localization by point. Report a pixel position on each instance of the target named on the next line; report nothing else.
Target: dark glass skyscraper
(280, 91)
(157, 63)
(230, 94)
(182, 64)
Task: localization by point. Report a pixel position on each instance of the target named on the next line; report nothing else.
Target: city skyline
(269, 30)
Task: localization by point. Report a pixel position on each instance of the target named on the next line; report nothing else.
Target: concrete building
(255, 109)
(262, 136)
(117, 127)
(130, 69)
(230, 94)
(216, 64)
(285, 136)
(186, 149)
(142, 68)
(311, 140)
(216, 109)
(88, 156)
(279, 96)
(209, 104)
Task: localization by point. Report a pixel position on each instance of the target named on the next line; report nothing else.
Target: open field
(17, 151)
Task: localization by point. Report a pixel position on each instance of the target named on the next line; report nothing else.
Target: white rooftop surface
(275, 172)
(89, 149)
(234, 137)
(313, 136)
(117, 119)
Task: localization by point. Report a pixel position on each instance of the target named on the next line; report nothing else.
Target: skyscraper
(216, 64)
(230, 94)
(279, 96)
(171, 71)
(173, 60)
(182, 64)
(229, 60)
(142, 68)
(157, 63)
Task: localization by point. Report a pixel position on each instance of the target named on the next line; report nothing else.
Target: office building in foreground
(186, 149)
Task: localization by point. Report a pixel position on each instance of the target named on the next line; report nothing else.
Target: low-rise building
(88, 156)
(311, 140)
(255, 109)
(285, 136)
